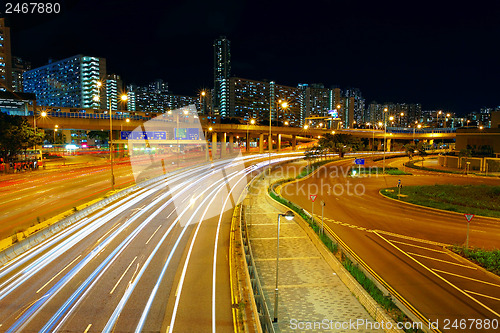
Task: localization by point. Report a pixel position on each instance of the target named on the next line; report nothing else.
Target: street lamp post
(385, 139)
(252, 122)
(111, 157)
(289, 216)
(55, 130)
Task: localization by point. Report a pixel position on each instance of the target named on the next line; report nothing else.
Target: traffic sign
(313, 197)
(360, 161)
(469, 217)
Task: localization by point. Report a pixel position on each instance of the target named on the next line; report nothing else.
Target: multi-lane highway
(404, 244)
(32, 197)
(156, 260)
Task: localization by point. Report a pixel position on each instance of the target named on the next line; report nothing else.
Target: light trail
(186, 263)
(61, 242)
(112, 321)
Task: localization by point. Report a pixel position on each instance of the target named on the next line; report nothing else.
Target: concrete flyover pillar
(279, 142)
(247, 143)
(270, 143)
(214, 144)
(389, 144)
(261, 143)
(223, 144)
(231, 143)
(294, 142)
(207, 154)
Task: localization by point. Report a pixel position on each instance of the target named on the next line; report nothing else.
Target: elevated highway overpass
(228, 132)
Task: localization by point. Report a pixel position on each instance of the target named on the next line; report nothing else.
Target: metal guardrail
(258, 292)
(404, 130)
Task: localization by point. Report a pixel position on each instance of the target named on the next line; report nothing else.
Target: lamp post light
(123, 98)
(202, 101)
(55, 130)
(127, 120)
(247, 144)
(289, 216)
(385, 139)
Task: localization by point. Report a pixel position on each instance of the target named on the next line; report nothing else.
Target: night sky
(444, 56)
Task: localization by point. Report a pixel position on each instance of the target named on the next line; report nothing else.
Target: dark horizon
(443, 57)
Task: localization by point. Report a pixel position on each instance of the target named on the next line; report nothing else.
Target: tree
(16, 135)
(410, 149)
(100, 135)
(336, 143)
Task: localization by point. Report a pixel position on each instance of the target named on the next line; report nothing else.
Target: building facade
(261, 100)
(5, 57)
(316, 100)
(19, 67)
(222, 72)
(71, 82)
(114, 89)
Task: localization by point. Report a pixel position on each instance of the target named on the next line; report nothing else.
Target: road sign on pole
(469, 218)
(313, 197)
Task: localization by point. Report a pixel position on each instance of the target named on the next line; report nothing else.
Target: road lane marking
(467, 278)
(441, 260)
(88, 328)
(487, 296)
(420, 247)
(121, 277)
(110, 230)
(154, 233)
(173, 210)
(212, 195)
(388, 233)
(58, 274)
(431, 270)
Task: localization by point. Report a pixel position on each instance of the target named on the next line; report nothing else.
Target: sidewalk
(309, 290)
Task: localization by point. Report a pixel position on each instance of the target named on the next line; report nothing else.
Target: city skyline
(175, 44)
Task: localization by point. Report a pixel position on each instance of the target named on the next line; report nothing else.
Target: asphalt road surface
(155, 260)
(404, 244)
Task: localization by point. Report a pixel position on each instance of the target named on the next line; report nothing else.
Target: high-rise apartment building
(155, 98)
(403, 114)
(5, 57)
(222, 72)
(316, 100)
(71, 82)
(131, 101)
(158, 86)
(356, 108)
(114, 89)
(19, 67)
(251, 99)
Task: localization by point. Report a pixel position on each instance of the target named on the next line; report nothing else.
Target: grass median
(489, 259)
(468, 199)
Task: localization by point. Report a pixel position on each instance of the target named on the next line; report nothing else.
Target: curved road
(404, 243)
(156, 260)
